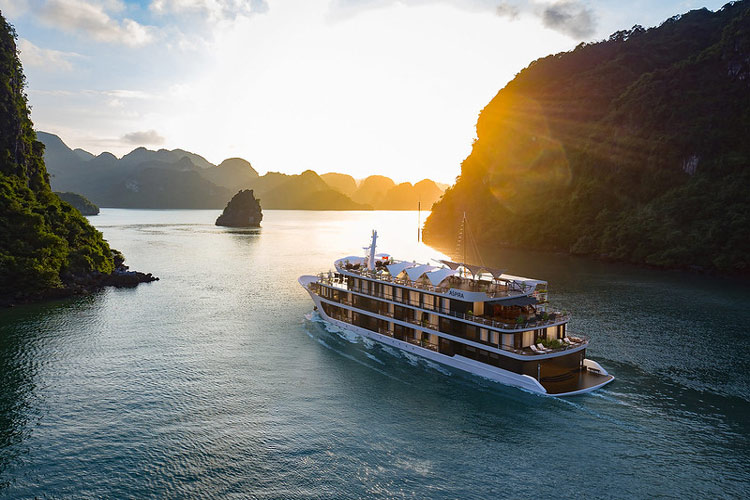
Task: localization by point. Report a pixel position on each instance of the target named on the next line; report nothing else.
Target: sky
(361, 87)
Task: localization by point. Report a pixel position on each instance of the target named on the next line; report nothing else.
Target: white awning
(496, 273)
(414, 273)
(523, 284)
(451, 264)
(398, 267)
(437, 277)
(474, 269)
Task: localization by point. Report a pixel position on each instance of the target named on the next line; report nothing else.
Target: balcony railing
(422, 343)
(491, 289)
(536, 322)
(580, 340)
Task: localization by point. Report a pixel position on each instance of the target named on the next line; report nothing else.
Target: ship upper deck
(480, 286)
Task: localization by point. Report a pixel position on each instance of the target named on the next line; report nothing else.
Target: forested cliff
(46, 246)
(635, 148)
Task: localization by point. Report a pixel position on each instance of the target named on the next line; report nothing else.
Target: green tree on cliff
(636, 148)
(44, 243)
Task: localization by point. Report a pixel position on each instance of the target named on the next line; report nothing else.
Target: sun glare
(392, 91)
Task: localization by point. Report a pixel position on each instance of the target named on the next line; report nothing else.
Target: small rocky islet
(243, 210)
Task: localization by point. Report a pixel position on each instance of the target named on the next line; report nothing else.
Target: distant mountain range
(180, 179)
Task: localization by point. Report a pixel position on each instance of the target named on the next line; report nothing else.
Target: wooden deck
(579, 381)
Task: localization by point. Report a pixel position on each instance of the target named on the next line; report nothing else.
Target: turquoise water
(217, 381)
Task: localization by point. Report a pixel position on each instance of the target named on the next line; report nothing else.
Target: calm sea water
(217, 381)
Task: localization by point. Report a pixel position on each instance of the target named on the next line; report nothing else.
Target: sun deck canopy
(416, 272)
(399, 267)
(474, 269)
(524, 284)
(451, 264)
(437, 277)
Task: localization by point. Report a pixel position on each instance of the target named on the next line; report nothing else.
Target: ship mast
(419, 217)
(371, 260)
(463, 230)
(461, 246)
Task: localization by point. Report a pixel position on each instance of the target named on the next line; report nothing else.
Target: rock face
(243, 210)
(47, 248)
(634, 148)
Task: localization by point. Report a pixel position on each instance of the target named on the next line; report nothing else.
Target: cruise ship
(469, 317)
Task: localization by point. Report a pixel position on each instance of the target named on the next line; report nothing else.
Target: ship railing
(554, 317)
(492, 290)
(423, 323)
(422, 343)
(385, 331)
(577, 339)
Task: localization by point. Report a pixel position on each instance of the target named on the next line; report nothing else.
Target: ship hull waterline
(468, 365)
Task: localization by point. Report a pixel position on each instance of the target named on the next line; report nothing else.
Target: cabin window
(399, 313)
(527, 338)
(445, 325)
(382, 308)
(552, 332)
(458, 306)
(495, 338)
(478, 309)
(508, 339)
(484, 335)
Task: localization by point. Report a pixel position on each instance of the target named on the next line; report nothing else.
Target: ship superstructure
(470, 317)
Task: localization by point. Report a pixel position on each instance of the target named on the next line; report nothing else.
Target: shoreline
(79, 286)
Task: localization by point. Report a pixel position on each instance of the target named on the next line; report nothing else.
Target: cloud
(213, 10)
(144, 137)
(506, 9)
(13, 8)
(91, 19)
(47, 59)
(570, 17)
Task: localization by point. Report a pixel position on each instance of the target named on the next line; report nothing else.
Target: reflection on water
(219, 380)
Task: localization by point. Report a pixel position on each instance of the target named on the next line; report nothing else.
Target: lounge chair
(542, 348)
(534, 348)
(567, 341)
